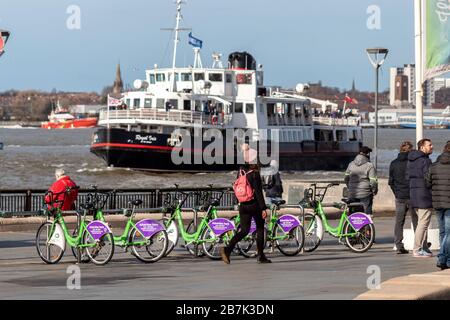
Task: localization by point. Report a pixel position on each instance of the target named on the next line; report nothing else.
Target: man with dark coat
(438, 179)
(400, 187)
(420, 196)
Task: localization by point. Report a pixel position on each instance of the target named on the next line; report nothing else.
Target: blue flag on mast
(194, 41)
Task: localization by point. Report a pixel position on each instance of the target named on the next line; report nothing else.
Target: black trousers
(246, 213)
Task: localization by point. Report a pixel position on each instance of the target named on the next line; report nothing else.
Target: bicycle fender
(148, 227)
(221, 225)
(58, 239)
(288, 222)
(359, 220)
(97, 229)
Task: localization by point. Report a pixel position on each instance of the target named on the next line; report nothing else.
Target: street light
(4, 35)
(376, 58)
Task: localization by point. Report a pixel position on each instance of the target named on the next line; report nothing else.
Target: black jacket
(418, 165)
(438, 179)
(254, 178)
(397, 176)
(274, 188)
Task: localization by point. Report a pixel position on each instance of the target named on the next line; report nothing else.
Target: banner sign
(436, 42)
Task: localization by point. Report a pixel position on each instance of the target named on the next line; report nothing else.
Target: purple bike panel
(288, 222)
(359, 220)
(221, 225)
(97, 229)
(148, 227)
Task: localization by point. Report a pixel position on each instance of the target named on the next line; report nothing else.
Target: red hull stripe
(138, 146)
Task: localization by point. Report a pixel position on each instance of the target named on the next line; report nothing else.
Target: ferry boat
(62, 119)
(441, 121)
(180, 110)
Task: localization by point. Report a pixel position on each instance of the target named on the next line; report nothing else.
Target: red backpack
(242, 188)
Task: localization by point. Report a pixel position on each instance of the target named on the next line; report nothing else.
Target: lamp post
(4, 35)
(376, 58)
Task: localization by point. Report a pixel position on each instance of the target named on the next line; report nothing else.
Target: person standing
(400, 187)
(254, 208)
(272, 184)
(438, 179)
(361, 180)
(420, 196)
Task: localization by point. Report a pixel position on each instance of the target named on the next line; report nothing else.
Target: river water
(30, 157)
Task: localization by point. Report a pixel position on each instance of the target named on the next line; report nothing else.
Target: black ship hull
(151, 151)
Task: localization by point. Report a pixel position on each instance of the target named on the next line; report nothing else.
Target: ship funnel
(241, 61)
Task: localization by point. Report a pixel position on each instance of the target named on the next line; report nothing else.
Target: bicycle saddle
(278, 202)
(136, 203)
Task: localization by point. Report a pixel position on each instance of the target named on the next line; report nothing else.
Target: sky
(296, 41)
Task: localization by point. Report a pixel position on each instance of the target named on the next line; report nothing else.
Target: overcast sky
(295, 40)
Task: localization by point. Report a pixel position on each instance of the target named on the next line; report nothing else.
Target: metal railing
(30, 202)
(330, 121)
(153, 114)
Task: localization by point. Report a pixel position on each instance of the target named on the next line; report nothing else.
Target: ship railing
(186, 117)
(330, 121)
(280, 120)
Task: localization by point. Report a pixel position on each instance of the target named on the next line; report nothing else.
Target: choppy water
(30, 157)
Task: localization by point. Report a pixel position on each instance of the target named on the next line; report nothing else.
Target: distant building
(388, 116)
(400, 95)
(402, 86)
(118, 83)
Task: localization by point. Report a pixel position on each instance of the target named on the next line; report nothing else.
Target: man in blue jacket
(420, 195)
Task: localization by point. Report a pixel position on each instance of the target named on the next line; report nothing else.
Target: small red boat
(62, 119)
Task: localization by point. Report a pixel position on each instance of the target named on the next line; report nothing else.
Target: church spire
(118, 84)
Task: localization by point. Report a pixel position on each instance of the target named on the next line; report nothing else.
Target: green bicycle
(355, 228)
(284, 232)
(211, 232)
(95, 239)
(147, 238)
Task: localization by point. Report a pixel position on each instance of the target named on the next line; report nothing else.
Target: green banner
(437, 37)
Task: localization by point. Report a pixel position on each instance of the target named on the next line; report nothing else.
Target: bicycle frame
(338, 231)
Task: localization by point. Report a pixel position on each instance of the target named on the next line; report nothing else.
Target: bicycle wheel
(84, 256)
(363, 240)
(313, 228)
(212, 243)
(290, 243)
(100, 252)
(247, 246)
(191, 247)
(154, 249)
(172, 234)
(49, 253)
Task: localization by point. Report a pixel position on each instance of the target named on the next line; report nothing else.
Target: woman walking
(254, 208)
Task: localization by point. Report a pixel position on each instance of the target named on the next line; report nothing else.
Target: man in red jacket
(59, 190)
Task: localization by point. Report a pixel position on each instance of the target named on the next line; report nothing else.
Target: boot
(263, 259)
(225, 254)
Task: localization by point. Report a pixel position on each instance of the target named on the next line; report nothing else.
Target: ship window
(136, 103)
(128, 103)
(152, 79)
(160, 103)
(199, 76)
(147, 103)
(238, 106)
(173, 103)
(243, 78)
(249, 108)
(198, 105)
(160, 77)
(186, 76)
(228, 78)
(215, 77)
(186, 104)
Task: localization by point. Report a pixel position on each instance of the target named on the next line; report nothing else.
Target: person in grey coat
(361, 180)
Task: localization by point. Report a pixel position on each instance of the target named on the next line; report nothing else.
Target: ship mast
(176, 40)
